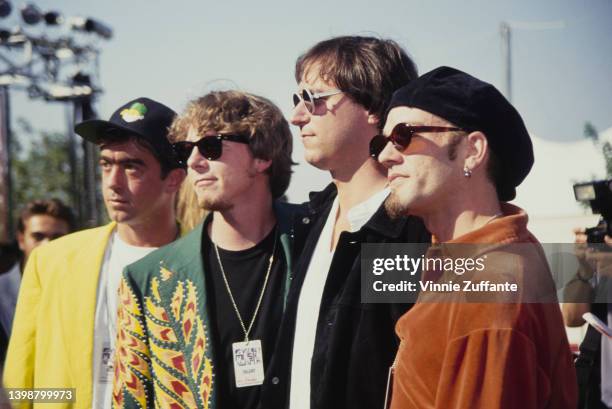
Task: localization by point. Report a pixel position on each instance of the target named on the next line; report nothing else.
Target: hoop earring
(467, 172)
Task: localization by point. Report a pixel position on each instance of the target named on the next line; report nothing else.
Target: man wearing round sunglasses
(456, 150)
(199, 318)
(340, 349)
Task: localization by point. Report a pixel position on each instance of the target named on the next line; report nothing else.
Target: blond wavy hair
(247, 114)
(188, 213)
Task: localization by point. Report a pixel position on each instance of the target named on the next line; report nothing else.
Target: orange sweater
(495, 355)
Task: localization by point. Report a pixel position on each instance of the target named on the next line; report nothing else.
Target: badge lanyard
(390, 379)
(247, 355)
(105, 376)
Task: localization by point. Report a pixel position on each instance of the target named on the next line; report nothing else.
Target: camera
(599, 196)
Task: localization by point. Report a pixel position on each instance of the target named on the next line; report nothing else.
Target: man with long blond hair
(188, 213)
(198, 319)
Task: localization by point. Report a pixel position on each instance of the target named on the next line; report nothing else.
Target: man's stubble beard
(393, 205)
(395, 209)
(218, 205)
(214, 205)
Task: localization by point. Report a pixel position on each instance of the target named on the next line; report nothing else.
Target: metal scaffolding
(64, 68)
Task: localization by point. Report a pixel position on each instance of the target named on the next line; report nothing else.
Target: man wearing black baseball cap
(456, 150)
(68, 299)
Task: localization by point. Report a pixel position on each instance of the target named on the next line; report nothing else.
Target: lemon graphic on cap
(134, 113)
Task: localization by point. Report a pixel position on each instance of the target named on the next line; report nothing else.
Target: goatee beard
(395, 209)
(212, 205)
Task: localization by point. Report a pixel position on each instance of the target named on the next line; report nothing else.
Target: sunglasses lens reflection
(307, 98)
(183, 150)
(210, 148)
(377, 144)
(401, 136)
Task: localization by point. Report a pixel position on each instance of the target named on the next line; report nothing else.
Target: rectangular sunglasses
(211, 147)
(401, 136)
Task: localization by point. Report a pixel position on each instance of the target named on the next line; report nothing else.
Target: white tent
(548, 197)
(547, 194)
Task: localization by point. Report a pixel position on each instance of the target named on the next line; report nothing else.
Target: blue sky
(175, 52)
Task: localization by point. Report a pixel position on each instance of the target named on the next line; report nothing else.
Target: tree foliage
(590, 132)
(40, 165)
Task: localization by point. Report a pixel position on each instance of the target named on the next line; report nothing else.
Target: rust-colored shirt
(494, 355)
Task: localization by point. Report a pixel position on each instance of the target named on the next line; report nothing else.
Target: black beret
(475, 105)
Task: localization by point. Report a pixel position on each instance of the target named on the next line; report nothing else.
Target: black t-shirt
(245, 271)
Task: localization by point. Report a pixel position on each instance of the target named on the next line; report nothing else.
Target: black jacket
(355, 343)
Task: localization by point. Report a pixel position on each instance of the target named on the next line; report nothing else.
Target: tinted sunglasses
(310, 99)
(401, 136)
(211, 147)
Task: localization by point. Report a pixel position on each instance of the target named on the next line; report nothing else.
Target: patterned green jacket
(164, 357)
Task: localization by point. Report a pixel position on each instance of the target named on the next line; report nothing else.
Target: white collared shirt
(311, 293)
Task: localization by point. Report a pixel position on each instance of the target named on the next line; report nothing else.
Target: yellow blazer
(51, 343)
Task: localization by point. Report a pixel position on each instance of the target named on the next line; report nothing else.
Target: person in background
(10, 255)
(590, 291)
(39, 222)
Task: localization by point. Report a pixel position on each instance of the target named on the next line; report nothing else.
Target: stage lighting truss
(43, 59)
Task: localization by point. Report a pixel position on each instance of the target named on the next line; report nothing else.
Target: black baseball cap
(475, 105)
(142, 117)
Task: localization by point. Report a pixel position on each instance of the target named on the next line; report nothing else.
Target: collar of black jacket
(380, 222)
(320, 200)
(285, 213)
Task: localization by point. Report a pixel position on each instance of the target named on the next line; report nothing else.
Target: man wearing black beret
(456, 150)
